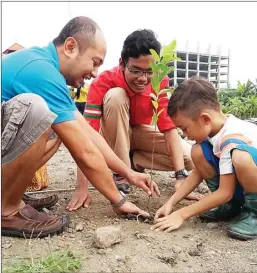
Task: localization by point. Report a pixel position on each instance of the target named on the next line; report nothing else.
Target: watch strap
(120, 203)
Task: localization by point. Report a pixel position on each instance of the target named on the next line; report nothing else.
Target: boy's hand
(165, 210)
(169, 223)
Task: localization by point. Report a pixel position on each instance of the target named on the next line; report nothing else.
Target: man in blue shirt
(35, 101)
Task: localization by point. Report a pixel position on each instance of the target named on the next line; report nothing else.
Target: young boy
(225, 155)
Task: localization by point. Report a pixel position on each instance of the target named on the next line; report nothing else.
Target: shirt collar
(52, 50)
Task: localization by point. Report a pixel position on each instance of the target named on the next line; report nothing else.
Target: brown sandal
(39, 203)
(29, 223)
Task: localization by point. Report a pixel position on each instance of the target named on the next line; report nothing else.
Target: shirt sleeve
(226, 166)
(94, 107)
(164, 122)
(42, 78)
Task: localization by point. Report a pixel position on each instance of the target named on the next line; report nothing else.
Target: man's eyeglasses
(139, 73)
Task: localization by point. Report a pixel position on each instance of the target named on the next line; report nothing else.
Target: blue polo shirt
(36, 70)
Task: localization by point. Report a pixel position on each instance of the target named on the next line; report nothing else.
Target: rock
(171, 259)
(176, 249)
(69, 230)
(194, 252)
(212, 225)
(106, 236)
(183, 257)
(79, 226)
(72, 235)
(5, 246)
(118, 258)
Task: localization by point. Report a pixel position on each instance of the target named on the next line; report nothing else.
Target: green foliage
(58, 262)
(241, 102)
(161, 69)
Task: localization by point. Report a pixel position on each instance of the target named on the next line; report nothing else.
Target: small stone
(171, 260)
(5, 246)
(101, 251)
(72, 235)
(176, 249)
(79, 226)
(106, 236)
(194, 252)
(212, 225)
(69, 230)
(183, 257)
(118, 258)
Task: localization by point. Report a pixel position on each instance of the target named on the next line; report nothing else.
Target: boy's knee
(116, 97)
(240, 158)
(197, 154)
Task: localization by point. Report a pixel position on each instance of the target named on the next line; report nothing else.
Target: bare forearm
(188, 185)
(208, 202)
(88, 158)
(174, 148)
(112, 160)
(101, 180)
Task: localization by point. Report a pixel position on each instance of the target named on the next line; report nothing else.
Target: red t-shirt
(141, 108)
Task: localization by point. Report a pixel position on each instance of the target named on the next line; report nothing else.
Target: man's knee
(37, 107)
(116, 97)
(25, 118)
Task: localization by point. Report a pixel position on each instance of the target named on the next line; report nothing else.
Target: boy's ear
(206, 118)
(121, 64)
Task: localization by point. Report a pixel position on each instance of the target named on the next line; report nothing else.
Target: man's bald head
(82, 29)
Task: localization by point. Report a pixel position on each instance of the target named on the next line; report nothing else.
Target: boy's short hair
(139, 43)
(192, 96)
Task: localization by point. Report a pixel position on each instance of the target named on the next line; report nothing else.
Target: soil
(195, 247)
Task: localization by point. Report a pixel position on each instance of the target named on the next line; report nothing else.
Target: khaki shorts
(24, 119)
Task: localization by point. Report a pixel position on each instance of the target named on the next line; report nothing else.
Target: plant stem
(151, 173)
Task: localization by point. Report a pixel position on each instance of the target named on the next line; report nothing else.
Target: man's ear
(206, 118)
(70, 47)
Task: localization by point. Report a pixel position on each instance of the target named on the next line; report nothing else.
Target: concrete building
(213, 67)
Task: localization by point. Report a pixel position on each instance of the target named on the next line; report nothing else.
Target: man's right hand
(165, 210)
(129, 208)
(80, 198)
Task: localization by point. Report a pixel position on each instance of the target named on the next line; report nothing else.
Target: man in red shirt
(119, 107)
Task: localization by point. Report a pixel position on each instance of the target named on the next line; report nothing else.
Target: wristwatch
(181, 174)
(120, 203)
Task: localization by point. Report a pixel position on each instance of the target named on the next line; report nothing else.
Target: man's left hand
(143, 181)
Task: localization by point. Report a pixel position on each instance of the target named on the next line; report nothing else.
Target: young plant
(161, 69)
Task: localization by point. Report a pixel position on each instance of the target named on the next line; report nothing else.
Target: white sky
(226, 25)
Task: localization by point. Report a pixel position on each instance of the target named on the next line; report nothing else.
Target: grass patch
(58, 262)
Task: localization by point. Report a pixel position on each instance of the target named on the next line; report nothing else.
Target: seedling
(161, 69)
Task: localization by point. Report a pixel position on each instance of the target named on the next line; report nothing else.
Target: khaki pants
(122, 138)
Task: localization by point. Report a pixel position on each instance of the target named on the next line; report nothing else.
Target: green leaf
(154, 66)
(169, 48)
(155, 104)
(168, 90)
(171, 68)
(162, 71)
(155, 55)
(153, 96)
(177, 59)
(155, 118)
(158, 114)
(155, 83)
